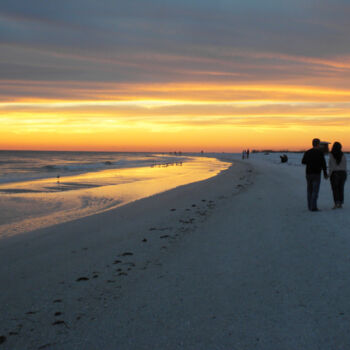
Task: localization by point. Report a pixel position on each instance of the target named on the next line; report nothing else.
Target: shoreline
(44, 203)
(50, 172)
(103, 253)
(141, 204)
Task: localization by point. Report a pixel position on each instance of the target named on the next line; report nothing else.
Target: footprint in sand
(31, 312)
(58, 313)
(160, 228)
(173, 209)
(58, 322)
(2, 339)
(127, 254)
(189, 221)
(82, 279)
(117, 262)
(57, 301)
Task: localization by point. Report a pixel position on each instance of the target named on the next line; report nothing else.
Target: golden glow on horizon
(222, 117)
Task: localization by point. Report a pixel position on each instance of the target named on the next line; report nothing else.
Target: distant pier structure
(324, 146)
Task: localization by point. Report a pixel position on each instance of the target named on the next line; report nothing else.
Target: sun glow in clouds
(176, 75)
(250, 110)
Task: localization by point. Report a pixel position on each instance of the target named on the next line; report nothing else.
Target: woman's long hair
(337, 152)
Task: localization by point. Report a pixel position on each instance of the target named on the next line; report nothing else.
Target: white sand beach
(232, 262)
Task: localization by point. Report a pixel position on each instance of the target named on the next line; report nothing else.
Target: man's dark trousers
(313, 187)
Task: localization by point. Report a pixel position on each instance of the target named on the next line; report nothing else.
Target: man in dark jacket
(315, 162)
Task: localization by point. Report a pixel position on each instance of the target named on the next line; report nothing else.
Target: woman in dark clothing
(337, 171)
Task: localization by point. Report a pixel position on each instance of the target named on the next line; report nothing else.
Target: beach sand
(232, 262)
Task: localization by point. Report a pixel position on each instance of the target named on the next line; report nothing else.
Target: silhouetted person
(284, 158)
(315, 162)
(248, 153)
(337, 173)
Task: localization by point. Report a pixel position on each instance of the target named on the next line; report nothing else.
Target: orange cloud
(170, 116)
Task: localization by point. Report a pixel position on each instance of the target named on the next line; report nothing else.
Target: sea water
(40, 189)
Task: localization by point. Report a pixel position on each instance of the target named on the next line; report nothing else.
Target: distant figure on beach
(315, 162)
(248, 153)
(243, 154)
(284, 158)
(337, 173)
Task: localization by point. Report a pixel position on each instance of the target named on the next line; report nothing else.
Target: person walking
(337, 173)
(315, 162)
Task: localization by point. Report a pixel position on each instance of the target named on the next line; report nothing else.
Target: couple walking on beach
(315, 162)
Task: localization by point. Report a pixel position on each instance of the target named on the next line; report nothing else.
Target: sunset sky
(166, 75)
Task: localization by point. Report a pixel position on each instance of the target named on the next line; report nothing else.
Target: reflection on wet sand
(106, 178)
(65, 198)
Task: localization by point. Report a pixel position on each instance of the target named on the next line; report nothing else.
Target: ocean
(29, 165)
(44, 188)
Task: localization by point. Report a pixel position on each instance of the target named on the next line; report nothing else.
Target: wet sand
(34, 204)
